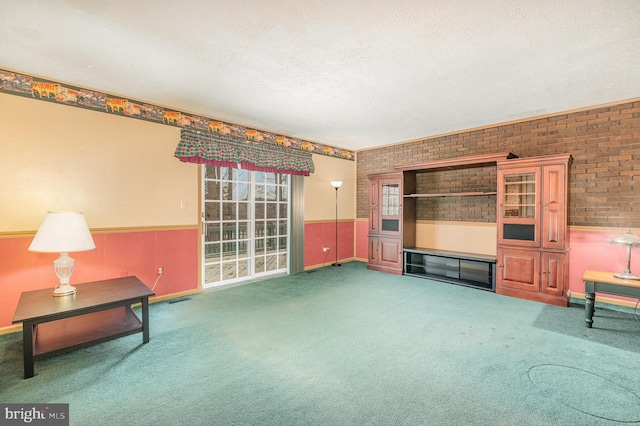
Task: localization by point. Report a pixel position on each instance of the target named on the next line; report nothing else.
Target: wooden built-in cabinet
(392, 207)
(532, 253)
(392, 219)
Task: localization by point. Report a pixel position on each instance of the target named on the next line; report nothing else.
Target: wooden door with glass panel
(390, 207)
(518, 207)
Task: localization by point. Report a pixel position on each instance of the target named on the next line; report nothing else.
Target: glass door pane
(212, 247)
(271, 222)
(390, 199)
(519, 206)
(390, 207)
(245, 222)
(520, 196)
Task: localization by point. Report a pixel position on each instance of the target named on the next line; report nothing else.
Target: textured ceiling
(349, 73)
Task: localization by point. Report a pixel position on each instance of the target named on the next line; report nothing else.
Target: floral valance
(227, 151)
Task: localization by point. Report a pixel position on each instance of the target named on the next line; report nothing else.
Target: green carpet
(347, 346)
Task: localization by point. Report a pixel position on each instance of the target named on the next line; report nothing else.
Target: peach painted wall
(590, 250)
(362, 240)
(320, 212)
(478, 238)
(140, 202)
(118, 171)
(116, 255)
(320, 196)
(468, 237)
(320, 234)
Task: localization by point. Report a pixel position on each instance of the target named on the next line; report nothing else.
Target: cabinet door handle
(543, 272)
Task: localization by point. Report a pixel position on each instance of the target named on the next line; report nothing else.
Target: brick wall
(472, 209)
(604, 188)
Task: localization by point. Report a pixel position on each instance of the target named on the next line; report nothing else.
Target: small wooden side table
(605, 282)
(98, 312)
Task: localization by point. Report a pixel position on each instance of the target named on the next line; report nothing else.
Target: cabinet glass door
(390, 206)
(519, 207)
(519, 196)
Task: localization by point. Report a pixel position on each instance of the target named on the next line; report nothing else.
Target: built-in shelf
(450, 194)
(472, 270)
(467, 269)
(456, 163)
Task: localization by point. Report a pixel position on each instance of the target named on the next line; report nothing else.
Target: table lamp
(629, 240)
(63, 232)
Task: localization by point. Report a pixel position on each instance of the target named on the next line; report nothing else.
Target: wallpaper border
(29, 86)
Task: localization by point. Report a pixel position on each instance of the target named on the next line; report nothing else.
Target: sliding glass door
(245, 225)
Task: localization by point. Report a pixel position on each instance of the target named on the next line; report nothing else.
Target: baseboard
(608, 302)
(162, 298)
(535, 297)
(10, 329)
(328, 263)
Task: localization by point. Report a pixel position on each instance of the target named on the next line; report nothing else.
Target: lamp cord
(325, 258)
(156, 283)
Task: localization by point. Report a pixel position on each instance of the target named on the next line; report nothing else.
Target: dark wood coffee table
(98, 312)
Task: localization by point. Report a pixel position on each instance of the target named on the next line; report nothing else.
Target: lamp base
(64, 290)
(64, 268)
(626, 276)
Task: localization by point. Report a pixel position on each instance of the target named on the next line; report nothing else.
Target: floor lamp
(336, 184)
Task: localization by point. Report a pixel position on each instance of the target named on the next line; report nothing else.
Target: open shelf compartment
(471, 270)
(68, 334)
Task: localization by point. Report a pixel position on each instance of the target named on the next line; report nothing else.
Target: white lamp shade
(336, 183)
(63, 232)
(628, 239)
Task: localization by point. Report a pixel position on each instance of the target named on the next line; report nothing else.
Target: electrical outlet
(160, 270)
(325, 249)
